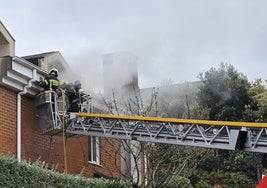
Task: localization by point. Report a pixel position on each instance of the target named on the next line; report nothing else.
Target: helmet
(54, 70)
(77, 85)
(77, 82)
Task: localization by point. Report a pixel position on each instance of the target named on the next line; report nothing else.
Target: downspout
(19, 113)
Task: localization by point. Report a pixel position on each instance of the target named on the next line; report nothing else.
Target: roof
(1, 24)
(40, 55)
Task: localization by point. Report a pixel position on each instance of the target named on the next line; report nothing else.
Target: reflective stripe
(46, 83)
(53, 83)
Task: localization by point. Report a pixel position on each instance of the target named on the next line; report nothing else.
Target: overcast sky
(173, 39)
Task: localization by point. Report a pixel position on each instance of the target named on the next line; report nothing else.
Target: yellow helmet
(54, 70)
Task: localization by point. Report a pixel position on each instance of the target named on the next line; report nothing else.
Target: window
(93, 149)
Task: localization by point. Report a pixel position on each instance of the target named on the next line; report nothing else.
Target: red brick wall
(36, 146)
(77, 157)
(110, 157)
(110, 162)
(8, 122)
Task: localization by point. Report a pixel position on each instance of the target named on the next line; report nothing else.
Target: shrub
(24, 174)
(225, 180)
(179, 182)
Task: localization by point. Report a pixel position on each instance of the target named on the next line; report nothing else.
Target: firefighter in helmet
(74, 93)
(51, 82)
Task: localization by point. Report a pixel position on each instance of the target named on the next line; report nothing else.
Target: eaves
(16, 73)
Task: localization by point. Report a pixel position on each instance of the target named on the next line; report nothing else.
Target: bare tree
(158, 162)
(131, 152)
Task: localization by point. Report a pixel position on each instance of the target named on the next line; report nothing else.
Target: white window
(93, 150)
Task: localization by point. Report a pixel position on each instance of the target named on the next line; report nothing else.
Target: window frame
(93, 150)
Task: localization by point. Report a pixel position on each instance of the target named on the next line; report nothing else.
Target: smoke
(86, 66)
(119, 70)
(178, 40)
(172, 39)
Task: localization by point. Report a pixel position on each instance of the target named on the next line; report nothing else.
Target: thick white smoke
(86, 66)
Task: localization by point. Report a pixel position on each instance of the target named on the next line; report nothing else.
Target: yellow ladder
(54, 142)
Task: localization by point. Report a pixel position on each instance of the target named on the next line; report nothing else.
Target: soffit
(20, 75)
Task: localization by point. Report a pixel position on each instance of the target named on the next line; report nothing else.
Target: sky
(172, 39)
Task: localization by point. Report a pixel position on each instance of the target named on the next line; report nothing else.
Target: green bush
(226, 180)
(179, 182)
(23, 174)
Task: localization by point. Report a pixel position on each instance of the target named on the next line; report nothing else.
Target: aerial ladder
(187, 132)
(245, 136)
(51, 113)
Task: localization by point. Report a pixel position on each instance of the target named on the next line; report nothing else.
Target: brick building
(20, 133)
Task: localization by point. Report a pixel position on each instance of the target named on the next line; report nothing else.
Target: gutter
(33, 79)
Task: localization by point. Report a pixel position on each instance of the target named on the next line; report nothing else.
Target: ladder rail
(64, 140)
(58, 114)
(201, 133)
(172, 120)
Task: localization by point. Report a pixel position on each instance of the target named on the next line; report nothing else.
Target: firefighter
(51, 82)
(74, 96)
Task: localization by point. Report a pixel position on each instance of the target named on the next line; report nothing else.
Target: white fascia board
(21, 73)
(17, 77)
(29, 65)
(23, 70)
(12, 84)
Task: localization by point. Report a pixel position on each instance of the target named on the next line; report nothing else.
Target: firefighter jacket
(50, 83)
(74, 99)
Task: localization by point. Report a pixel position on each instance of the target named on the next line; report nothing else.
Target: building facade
(19, 123)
